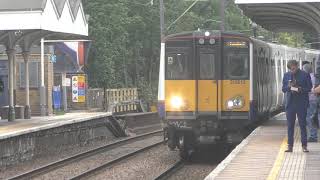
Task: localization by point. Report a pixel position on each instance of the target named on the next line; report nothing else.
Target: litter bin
(56, 95)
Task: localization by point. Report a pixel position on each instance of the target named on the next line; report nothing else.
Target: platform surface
(24, 126)
(261, 156)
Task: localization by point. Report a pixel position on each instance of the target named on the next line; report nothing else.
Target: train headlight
(235, 103)
(176, 102)
(212, 41)
(201, 41)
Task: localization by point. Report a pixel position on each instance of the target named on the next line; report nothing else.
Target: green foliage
(126, 37)
(291, 39)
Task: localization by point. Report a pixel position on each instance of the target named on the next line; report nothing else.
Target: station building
(19, 84)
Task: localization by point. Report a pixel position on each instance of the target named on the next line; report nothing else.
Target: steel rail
(170, 171)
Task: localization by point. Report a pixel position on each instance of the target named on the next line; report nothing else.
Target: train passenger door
(207, 81)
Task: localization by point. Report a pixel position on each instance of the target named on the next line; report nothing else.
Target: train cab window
(236, 60)
(237, 65)
(178, 67)
(207, 66)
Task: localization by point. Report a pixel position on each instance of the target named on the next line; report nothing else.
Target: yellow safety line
(278, 163)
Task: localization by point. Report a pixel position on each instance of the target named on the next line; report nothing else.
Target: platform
(25, 139)
(261, 156)
(24, 126)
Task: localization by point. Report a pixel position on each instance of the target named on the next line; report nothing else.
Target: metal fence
(95, 98)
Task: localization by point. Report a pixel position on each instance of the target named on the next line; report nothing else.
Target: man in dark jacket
(296, 85)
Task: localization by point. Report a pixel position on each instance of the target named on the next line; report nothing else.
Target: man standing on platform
(296, 85)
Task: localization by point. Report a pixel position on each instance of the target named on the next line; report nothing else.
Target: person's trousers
(313, 132)
(292, 113)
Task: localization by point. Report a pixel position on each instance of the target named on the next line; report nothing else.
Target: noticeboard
(78, 88)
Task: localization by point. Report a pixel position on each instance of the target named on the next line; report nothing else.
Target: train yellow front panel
(180, 95)
(235, 88)
(207, 96)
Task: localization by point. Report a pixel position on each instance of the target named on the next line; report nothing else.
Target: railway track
(170, 171)
(73, 159)
(90, 172)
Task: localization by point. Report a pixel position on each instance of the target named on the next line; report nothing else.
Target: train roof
(201, 33)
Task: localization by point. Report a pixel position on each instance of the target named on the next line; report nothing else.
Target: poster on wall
(78, 89)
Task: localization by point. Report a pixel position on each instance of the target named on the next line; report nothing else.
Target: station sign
(78, 88)
(66, 82)
(53, 58)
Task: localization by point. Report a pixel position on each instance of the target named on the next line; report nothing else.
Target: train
(213, 85)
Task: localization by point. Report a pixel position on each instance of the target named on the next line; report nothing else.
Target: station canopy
(40, 18)
(284, 15)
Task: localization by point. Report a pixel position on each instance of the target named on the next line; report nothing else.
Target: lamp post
(162, 25)
(222, 15)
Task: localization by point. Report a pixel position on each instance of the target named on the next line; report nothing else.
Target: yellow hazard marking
(278, 162)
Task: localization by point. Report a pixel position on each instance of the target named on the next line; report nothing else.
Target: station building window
(34, 75)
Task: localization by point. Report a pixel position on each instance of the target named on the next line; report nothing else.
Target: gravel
(83, 165)
(146, 165)
(202, 163)
(193, 171)
(153, 162)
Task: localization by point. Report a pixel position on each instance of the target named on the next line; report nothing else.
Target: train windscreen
(178, 66)
(236, 59)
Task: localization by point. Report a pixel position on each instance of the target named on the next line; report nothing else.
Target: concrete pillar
(15, 80)
(43, 106)
(27, 110)
(11, 54)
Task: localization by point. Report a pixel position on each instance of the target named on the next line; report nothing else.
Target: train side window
(207, 66)
(178, 67)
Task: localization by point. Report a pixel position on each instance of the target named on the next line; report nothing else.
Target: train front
(205, 88)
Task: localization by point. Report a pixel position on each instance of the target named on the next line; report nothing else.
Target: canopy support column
(27, 110)
(43, 106)
(11, 55)
(14, 80)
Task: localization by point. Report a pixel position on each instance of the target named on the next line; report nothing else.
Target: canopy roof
(65, 16)
(284, 15)
(40, 18)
